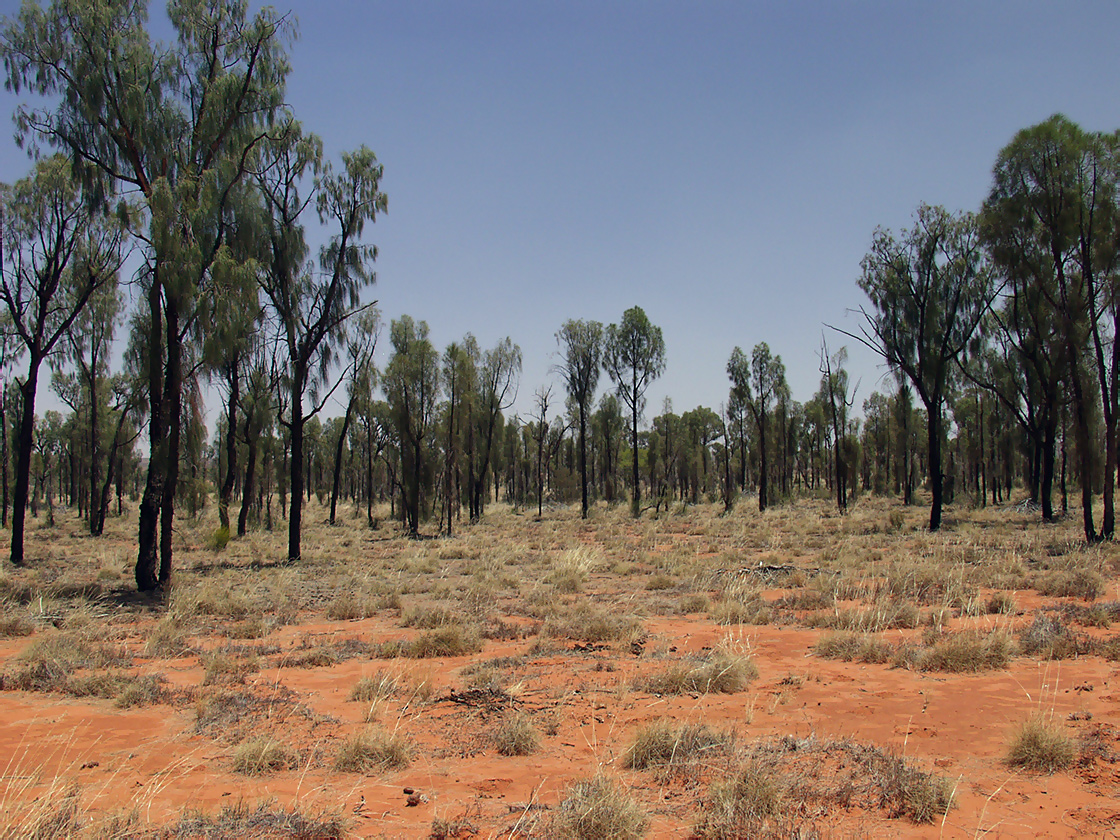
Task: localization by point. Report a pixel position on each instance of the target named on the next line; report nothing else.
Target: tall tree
(540, 434)
(929, 289)
(311, 305)
(834, 391)
(89, 344)
(756, 384)
(258, 410)
(581, 343)
(411, 385)
(458, 381)
(634, 355)
(498, 375)
(609, 427)
(1051, 219)
(172, 123)
(361, 379)
(57, 255)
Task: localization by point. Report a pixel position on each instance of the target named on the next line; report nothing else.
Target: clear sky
(720, 164)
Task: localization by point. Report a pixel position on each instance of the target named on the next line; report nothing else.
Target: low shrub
(373, 750)
(722, 672)
(1039, 746)
(598, 808)
(516, 735)
(263, 755)
(670, 748)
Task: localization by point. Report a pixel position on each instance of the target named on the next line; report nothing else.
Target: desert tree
(665, 443)
(581, 347)
(412, 386)
(172, 124)
(57, 255)
(929, 289)
(837, 400)
(633, 356)
(498, 373)
(539, 430)
(1051, 221)
(458, 371)
(258, 408)
(89, 344)
(310, 304)
(756, 383)
(608, 426)
(361, 379)
(229, 337)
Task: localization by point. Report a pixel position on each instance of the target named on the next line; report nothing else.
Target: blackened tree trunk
(233, 377)
(338, 453)
(147, 577)
(936, 478)
(27, 390)
(295, 512)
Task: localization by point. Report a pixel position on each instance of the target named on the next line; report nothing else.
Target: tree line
(183, 159)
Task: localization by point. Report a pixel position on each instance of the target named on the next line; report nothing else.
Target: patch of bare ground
(691, 673)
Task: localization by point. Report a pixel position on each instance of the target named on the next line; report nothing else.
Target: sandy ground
(160, 760)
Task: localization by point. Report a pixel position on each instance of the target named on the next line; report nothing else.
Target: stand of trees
(1000, 327)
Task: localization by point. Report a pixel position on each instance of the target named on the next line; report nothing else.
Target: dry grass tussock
(373, 750)
(722, 671)
(774, 787)
(1041, 746)
(599, 808)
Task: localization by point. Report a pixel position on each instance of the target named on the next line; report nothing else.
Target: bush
(598, 809)
(516, 735)
(262, 755)
(372, 689)
(586, 623)
(1048, 637)
(1039, 746)
(219, 539)
(373, 750)
(663, 746)
(720, 673)
(1081, 583)
(969, 651)
(854, 647)
(742, 805)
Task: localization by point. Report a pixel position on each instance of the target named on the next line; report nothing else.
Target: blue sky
(723, 165)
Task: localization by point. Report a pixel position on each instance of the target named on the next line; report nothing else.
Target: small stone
(413, 800)
(409, 791)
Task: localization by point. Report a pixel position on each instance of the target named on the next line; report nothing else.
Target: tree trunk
(583, 460)
(94, 448)
(338, 455)
(1084, 455)
(636, 499)
(233, 370)
(23, 458)
(763, 466)
(936, 482)
(248, 487)
(295, 514)
(4, 453)
(147, 577)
